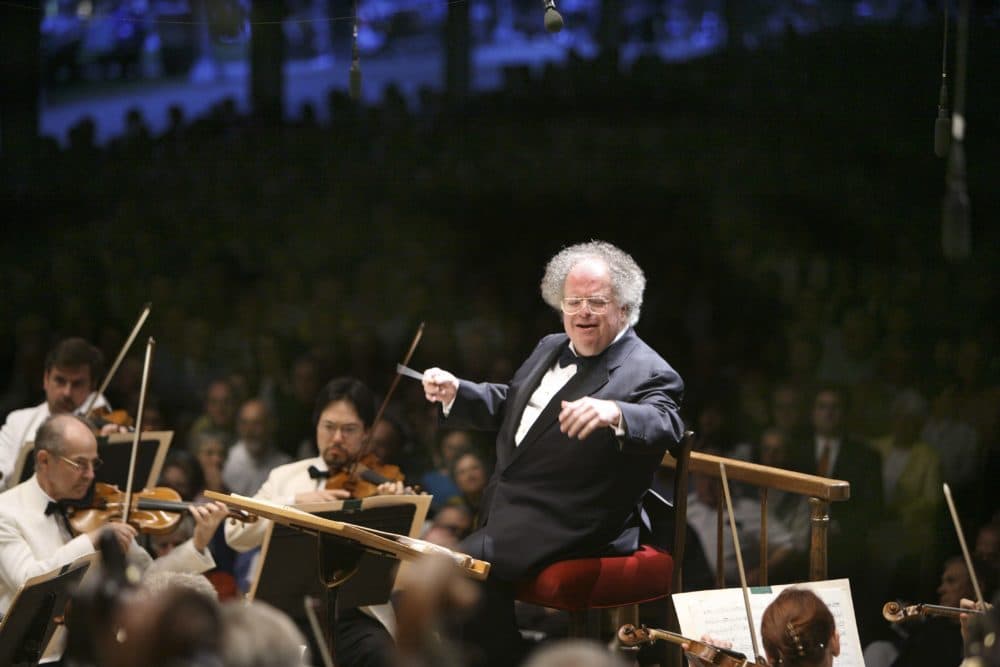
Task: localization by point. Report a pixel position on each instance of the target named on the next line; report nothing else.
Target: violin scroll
(894, 611)
(698, 652)
(630, 635)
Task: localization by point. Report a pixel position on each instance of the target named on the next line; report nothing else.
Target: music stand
(375, 541)
(283, 581)
(36, 610)
(116, 452)
(339, 548)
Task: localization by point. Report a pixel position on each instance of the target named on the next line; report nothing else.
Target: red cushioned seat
(612, 581)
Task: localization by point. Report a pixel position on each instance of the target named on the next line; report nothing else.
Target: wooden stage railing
(820, 491)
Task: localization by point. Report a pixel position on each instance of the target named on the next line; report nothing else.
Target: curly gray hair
(627, 279)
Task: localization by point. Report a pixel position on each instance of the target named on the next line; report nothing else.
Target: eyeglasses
(571, 305)
(83, 464)
(349, 430)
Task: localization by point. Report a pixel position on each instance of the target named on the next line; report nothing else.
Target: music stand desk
(36, 610)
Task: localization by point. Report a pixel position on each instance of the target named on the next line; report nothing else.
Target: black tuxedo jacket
(554, 497)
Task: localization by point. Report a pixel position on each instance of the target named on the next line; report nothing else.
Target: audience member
(703, 502)
(255, 634)
(218, 412)
(911, 482)
(449, 526)
(209, 449)
(471, 473)
(254, 455)
(439, 481)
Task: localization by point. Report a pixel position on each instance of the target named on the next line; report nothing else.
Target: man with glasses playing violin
(35, 535)
(581, 429)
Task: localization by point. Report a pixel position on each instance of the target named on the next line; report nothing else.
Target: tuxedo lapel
(524, 391)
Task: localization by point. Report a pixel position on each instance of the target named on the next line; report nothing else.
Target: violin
(154, 511)
(362, 478)
(100, 417)
(894, 612)
(701, 653)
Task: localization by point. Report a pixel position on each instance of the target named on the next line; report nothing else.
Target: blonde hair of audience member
(574, 653)
(255, 634)
(798, 630)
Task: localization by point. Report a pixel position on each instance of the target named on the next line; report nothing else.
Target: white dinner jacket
(32, 543)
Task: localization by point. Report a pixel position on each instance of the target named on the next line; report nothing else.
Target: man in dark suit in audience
(831, 452)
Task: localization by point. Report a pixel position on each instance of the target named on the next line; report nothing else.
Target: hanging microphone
(956, 237)
(942, 126)
(553, 19)
(355, 81)
(354, 84)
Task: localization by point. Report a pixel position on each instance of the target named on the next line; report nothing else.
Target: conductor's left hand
(580, 418)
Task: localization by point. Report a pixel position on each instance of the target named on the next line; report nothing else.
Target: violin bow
(739, 561)
(121, 355)
(965, 547)
(138, 428)
(395, 383)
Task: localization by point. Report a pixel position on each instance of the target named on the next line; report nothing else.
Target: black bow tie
(567, 357)
(55, 507)
(316, 473)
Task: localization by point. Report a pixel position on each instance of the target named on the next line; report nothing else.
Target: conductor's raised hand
(440, 385)
(580, 418)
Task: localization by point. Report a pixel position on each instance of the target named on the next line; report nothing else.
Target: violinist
(72, 369)
(798, 630)
(343, 416)
(35, 536)
(927, 640)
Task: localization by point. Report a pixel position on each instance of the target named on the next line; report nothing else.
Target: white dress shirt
(553, 380)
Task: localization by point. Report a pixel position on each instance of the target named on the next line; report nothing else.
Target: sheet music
(721, 615)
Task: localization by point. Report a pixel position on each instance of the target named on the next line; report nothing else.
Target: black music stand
(116, 452)
(296, 564)
(37, 609)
